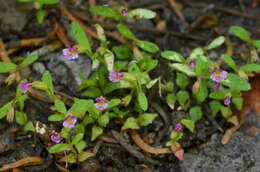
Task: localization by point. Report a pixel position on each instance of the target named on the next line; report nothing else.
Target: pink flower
(216, 86)
(69, 121)
(25, 86)
(70, 53)
(114, 76)
(124, 12)
(218, 75)
(227, 100)
(56, 138)
(192, 64)
(101, 103)
(178, 127)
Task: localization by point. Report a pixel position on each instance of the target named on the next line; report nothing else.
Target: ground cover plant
(117, 89)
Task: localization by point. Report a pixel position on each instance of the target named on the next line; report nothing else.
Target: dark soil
(113, 157)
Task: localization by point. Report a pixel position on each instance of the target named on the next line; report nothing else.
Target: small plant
(117, 89)
(38, 5)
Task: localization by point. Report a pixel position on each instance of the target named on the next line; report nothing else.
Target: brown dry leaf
(144, 167)
(229, 132)
(23, 162)
(251, 98)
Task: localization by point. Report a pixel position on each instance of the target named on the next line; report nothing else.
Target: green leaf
(103, 11)
(21, 101)
(70, 158)
(130, 123)
(171, 99)
(7, 67)
(87, 120)
(118, 85)
(109, 59)
(100, 33)
(47, 79)
(184, 99)
(256, 43)
(175, 136)
(218, 94)
(142, 13)
(182, 80)
(113, 103)
(183, 68)
(240, 33)
(238, 102)
(188, 124)
(229, 61)
(216, 43)
(80, 107)
(27, 61)
(92, 92)
(234, 82)
(196, 52)
(250, 68)
(40, 85)
(202, 93)
(147, 46)
(80, 36)
(20, 117)
(195, 114)
(202, 65)
(120, 65)
(59, 148)
(146, 118)
(29, 127)
(125, 32)
(49, 2)
(96, 131)
(226, 112)
(24, 1)
(60, 106)
(77, 138)
(40, 15)
(142, 101)
(214, 107)
(169, 86)
(122, 51)
(4, 109)
(56, 117)
(103, 120)
(81, 145)
(79, 128)
(173, 56)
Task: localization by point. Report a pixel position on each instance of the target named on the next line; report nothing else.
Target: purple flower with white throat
(227, 100)
(70, 53)
(124, 12)
(101, 103)
(178, 127)
(192, 64)
(25, 86)
(114, 76)
(56, 138)
(216, 86)
(69, 121)
(218, 75)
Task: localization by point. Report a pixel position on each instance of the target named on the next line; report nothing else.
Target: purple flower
(69, 121)
(216, 86)
(178, 127)
(25, 86)
(114, 76)
(218, 75)
(56, 138)
(192, 64)
(101, 103)
(124, 12)
(227, 100)
(70, 53)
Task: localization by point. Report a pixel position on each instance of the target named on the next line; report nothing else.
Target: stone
(39, 67)
(66, 71)
(13, 15)
(240, 154)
